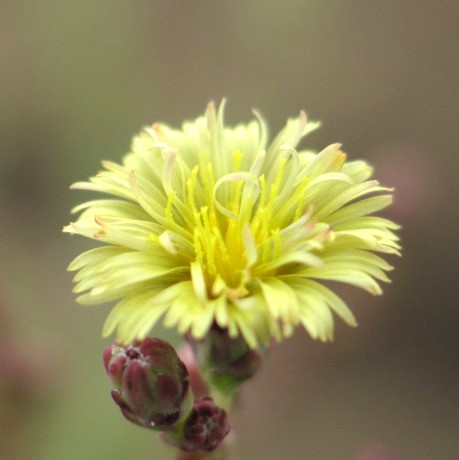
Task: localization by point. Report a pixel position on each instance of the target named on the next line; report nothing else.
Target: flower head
(210, 224)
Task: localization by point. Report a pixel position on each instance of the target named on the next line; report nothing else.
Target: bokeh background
(79, 78)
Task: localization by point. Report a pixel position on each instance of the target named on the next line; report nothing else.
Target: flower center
(244, 225)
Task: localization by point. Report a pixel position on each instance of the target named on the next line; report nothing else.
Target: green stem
(221, 453)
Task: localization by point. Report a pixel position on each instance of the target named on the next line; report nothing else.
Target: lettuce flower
(210, 224)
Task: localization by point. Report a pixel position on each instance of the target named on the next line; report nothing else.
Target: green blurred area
(78, 79)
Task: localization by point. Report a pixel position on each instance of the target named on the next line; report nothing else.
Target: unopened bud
(226, 362)
(206, 426)
(151, 383)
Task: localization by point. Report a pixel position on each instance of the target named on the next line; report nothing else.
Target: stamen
(237, 160)
(169, 214)
(191, 187)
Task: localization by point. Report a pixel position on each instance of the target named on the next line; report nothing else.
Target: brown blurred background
(78, 79)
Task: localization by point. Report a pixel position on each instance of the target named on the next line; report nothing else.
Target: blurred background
(78, 79)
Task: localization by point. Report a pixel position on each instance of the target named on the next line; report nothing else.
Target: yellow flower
(210, 224)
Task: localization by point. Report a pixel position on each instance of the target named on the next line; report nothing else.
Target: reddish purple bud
(206, 426)
(151, 383)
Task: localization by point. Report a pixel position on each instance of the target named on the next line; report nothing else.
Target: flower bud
(226, 362)
(206, 426)
(151, 383)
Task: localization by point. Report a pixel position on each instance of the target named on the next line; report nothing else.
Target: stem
(223, 399)
(223, 452)
(192, 455)
(218, 454)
